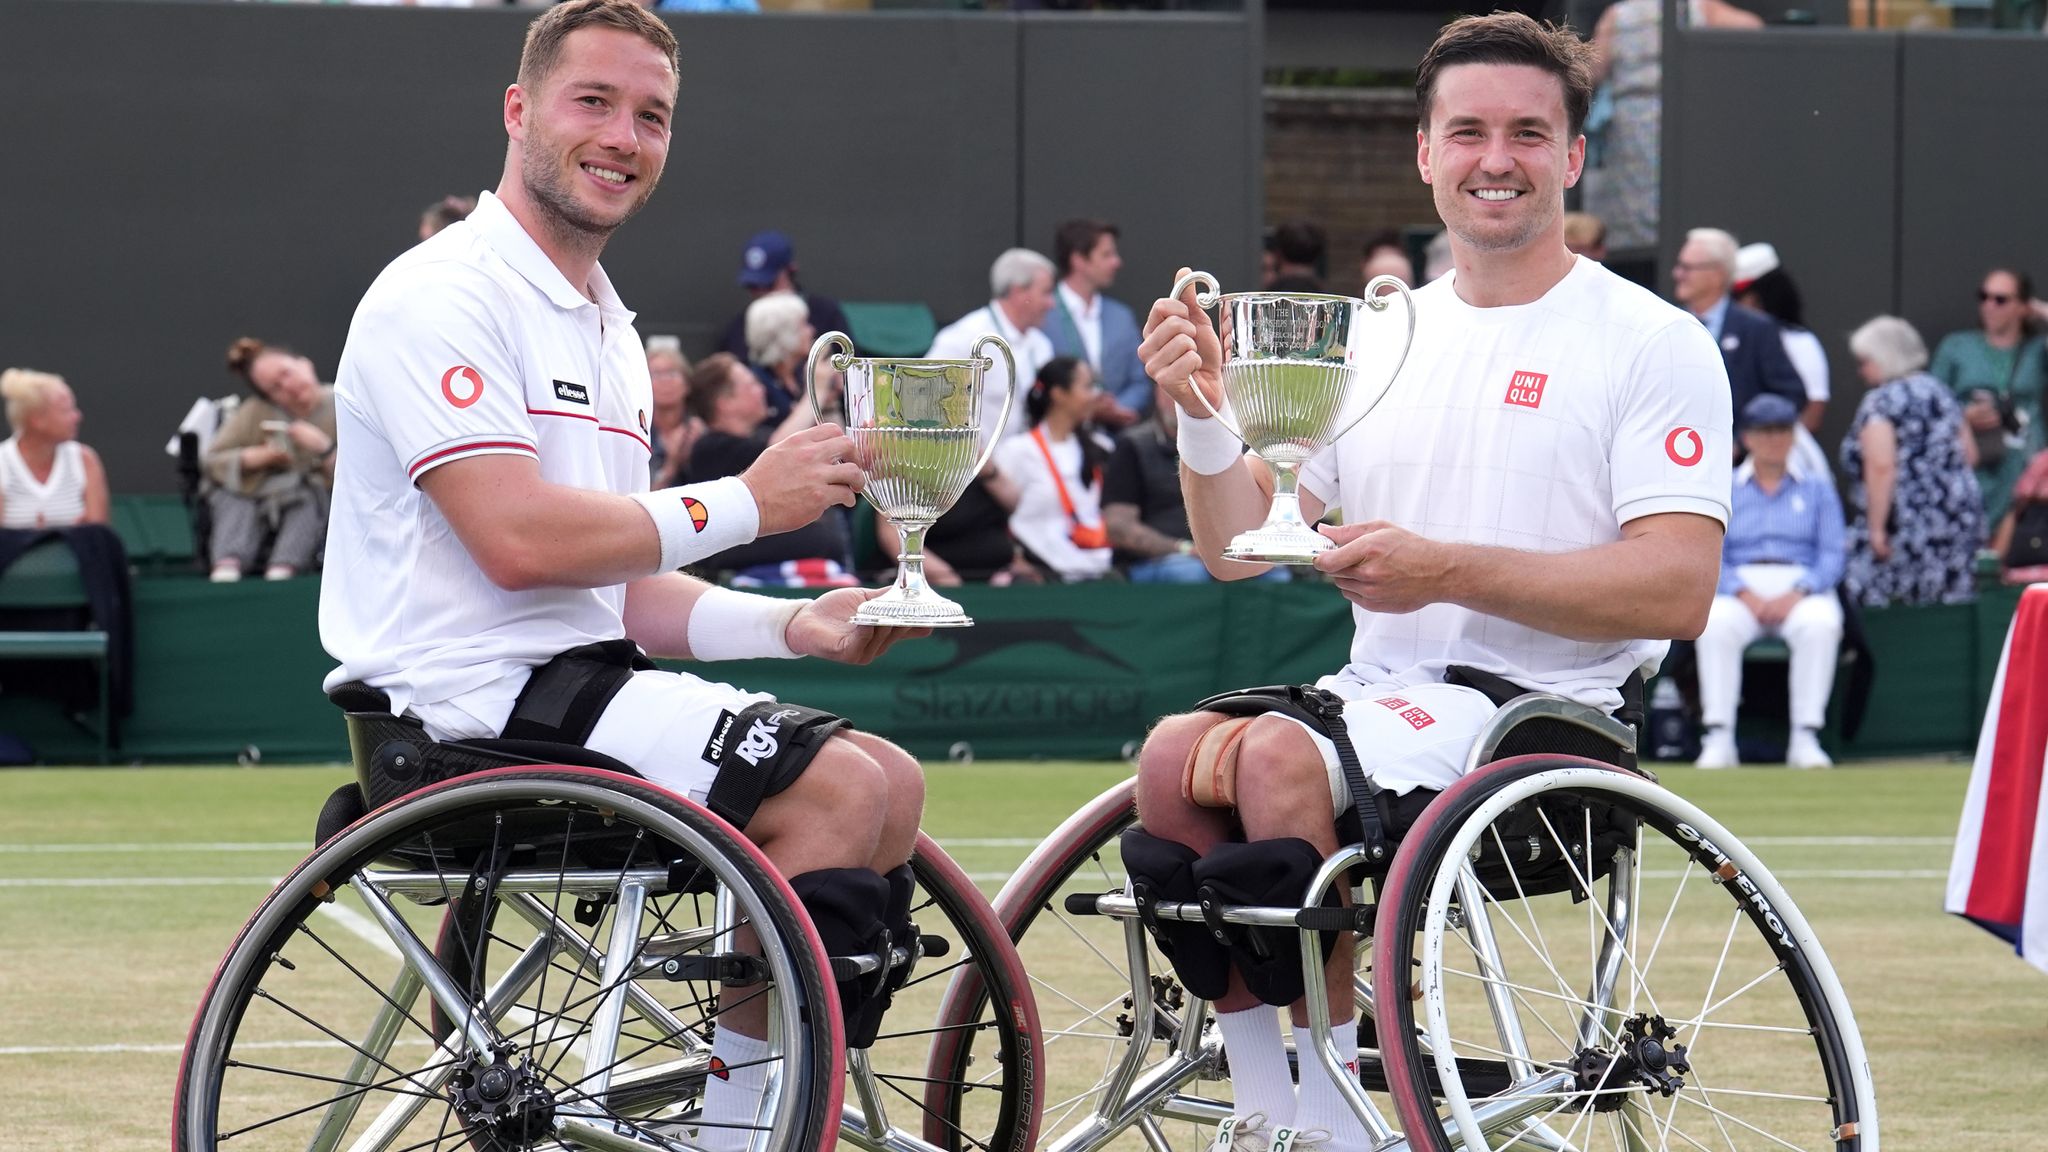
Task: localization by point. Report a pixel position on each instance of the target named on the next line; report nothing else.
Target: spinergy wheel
(568, 997)
(1583, 960)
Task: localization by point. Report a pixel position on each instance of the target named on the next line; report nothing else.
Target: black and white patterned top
(1937, 517)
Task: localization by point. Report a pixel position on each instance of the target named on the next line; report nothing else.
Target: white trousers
(1812, 630)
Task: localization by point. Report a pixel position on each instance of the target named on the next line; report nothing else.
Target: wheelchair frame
(1518, 1098)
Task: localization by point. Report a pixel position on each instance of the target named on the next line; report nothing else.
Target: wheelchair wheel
(1080, 974)
(519, 958)
(903, 1092)
(1579, 959)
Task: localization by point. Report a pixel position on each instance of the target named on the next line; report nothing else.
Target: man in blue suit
(1752, 347)
(1086, 324)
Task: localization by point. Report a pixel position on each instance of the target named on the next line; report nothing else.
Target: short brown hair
(710, 380)
(1510, 38)
(1079, 238)
(545, 36)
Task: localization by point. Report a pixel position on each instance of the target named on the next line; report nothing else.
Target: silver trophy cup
(1299, 371)
(917, 436)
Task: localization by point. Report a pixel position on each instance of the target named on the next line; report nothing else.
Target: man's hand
(801, 475)
(824, 628)
(1110, 414)
(1772, 612)
(1384, 568)
(1181, 352)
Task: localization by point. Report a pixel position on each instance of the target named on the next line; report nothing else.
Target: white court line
(134, 881)
(360, 926)
(175, 1049)
(299, 846)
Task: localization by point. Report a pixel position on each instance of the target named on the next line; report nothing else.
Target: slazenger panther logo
(462, 385)
(760, 742)
(1684, 446)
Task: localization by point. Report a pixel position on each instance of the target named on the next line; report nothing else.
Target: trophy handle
(822, 345)
(1377, 303)
(1207, 293)
(984, 364)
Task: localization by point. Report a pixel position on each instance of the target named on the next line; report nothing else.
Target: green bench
(46, 576)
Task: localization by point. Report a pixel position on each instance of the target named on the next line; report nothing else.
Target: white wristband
(1206, 446)
(697, 521)
(729, 625)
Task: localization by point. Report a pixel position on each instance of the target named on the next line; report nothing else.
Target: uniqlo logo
(1526, 389)
(1417, 718)
(1391, 703)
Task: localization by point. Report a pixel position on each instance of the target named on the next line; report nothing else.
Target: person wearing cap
(1761, 283)
(1751, 348)
(1780, 562)
(767, 265)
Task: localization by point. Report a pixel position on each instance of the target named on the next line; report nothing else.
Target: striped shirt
(1800, 523)
(58, 502)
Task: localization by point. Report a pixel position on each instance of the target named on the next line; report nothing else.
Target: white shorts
(658, 724)
(1405, 738)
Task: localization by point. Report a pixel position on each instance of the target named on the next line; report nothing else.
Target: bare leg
(1284, 791)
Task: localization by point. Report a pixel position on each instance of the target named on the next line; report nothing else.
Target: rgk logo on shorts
(573, 393)
(761, 741)
(1526, 388)
(1417, 718)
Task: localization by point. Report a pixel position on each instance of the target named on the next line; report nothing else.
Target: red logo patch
(717, 1068)
(1526, 389)
(462, 385)
(699, 514)
(1417, 718)
(1684, 446)
(1391, 703)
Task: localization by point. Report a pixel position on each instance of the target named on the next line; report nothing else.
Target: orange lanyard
(1058, 482)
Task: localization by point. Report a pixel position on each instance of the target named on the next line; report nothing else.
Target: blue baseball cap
(766, 255)
(1769, 410)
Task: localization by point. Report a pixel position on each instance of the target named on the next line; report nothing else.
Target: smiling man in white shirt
(494, 549)
(1537, 503)
(1020, 282)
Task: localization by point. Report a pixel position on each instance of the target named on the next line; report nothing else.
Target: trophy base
(927, 610)
(1277, 544)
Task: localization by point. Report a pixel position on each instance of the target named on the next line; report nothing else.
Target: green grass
(114, 947)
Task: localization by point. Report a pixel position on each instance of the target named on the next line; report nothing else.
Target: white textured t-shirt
(1543, 427)
(471, 344)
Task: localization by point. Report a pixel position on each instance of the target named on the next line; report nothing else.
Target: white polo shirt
(1031, 347)
(471, 344)
(1543, 427)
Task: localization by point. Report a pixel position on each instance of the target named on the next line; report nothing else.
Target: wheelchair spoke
(1722, 1116)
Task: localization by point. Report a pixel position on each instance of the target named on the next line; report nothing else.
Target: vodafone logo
(1684, 446)
(462, 385)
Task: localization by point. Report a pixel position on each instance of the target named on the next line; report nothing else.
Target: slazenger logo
(760, 742)
(1725, 872)
(1684, 446)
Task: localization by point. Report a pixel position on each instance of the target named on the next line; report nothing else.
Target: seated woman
(733, 404)
(779, 337)
(1057, 469)
(272, 464)
(47, 478)
(1919, 517)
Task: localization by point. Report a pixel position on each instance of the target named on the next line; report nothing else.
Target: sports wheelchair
(527, 945)
(1563, 955)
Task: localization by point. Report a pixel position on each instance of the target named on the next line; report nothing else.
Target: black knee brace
(1164, 871)
(1268, 873)
(848, 905)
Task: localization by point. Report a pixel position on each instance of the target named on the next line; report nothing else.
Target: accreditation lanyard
(1059, 482)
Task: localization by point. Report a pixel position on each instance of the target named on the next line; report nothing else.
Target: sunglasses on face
(1998, 298)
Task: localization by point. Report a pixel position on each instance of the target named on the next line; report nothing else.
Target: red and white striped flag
(1999, 876)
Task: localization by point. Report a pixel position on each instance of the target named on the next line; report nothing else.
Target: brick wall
(1344, 158)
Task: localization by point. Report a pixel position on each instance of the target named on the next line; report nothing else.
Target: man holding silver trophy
(1534, 486)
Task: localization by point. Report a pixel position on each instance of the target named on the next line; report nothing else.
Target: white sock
(1321, 1107)
(1259, 1082)
(732, 1102)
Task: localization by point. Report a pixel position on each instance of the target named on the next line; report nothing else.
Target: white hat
(1752, 261)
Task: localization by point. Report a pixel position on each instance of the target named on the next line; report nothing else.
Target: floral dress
(1937, 515)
